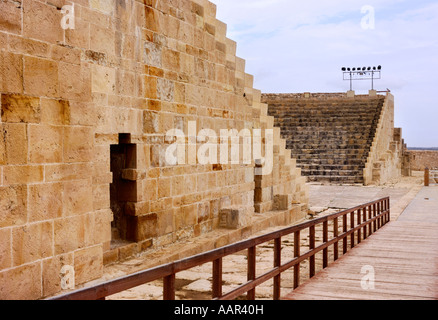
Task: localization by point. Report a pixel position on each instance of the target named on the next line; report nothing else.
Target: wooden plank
(404, 258)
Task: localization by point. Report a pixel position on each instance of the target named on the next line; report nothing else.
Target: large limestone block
(21, 283)
(88, 264)
(45, 201)
(41, 77)
(18, 108)
(11, 70)
(10, 16)
(45, 144)
(78, 144)
(32, 242)
(5, 248)
(233, 218)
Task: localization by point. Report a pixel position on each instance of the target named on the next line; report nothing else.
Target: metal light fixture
(364, 73)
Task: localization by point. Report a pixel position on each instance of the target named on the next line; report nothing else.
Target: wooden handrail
(378, 215)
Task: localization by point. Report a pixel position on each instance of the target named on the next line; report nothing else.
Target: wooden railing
(356, 225)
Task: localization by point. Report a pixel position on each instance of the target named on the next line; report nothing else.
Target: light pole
(362, 73)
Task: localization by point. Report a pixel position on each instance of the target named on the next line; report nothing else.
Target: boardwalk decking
(403, 255)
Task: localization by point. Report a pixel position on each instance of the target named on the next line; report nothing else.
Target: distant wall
(421, 159)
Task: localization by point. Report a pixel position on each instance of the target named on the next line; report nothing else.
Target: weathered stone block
(45, 144)
(23, 174)
(78, 144)
(78, 197)
(152, 55)
(10, 16)
(45, 201)
(55, 112)
(5, 248)
(165, 222)
(52, 275)
(13, 206)
(41, 77)
(42, 21)
(105, 6)
(32, 242)
(165, 89)
(11, 72)
(88, 264)
(14, 143)
(233, 218)
(102, 40)
(142, 227)
(80, 36)
(18, 108)
(282, 202)
(21, 283)
(69, 234)
(103, 79)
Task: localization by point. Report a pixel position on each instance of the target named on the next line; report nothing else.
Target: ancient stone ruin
(89, 91)
(340, 139)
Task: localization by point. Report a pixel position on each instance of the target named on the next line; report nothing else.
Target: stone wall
(421, 159)
(84, 114)
(385, 161)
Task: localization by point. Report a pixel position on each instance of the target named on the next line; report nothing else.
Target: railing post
(251, 270)
(370, 215)
(426, 177)
(374, 215)
(325, 240)
(311, 247)
(277, 263)
(388, 207)
(297, 246)
(335, 234)
(359, 231)
(344, 229)
(380, 210)
(352, 227)
(217, 278)
(365, 228)
(169, 287)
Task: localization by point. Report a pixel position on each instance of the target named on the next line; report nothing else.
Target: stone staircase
(330, 136)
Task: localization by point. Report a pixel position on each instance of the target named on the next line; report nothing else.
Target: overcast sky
(300, 46)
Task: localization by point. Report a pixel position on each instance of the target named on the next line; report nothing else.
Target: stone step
(350, 167)
(359, 143)
(332, 161)
(336, 179)
(330, 173)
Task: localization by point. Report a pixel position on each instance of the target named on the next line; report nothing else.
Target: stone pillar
(426, 177)
(351, 94)
(372, 93)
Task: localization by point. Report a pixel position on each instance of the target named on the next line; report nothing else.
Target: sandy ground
(195, 284)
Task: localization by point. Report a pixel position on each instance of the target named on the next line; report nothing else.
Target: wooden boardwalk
(402, 257)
